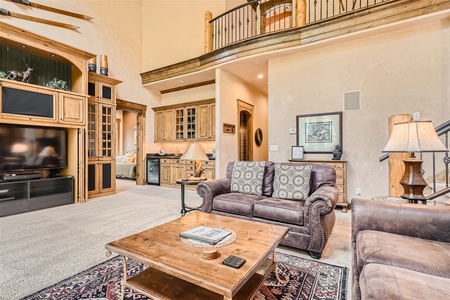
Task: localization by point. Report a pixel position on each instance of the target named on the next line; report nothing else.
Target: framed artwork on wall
(297, 152)
(319, 133)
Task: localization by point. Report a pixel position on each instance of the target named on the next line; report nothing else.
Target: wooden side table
(184, 207)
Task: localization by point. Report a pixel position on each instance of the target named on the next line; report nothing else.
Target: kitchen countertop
(172, 156)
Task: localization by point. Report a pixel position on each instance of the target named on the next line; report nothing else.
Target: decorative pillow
(291, 181)
(247, 177)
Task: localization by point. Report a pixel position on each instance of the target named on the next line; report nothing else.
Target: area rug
(307, 279)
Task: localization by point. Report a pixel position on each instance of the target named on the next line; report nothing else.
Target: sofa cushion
(247, 177)
(291, 181)
(386, 282)
(236, 203)
(412, 253)
(285, 211)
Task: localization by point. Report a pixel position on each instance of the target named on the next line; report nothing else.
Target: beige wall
(173, 30)
(397, 72)
(230, 89)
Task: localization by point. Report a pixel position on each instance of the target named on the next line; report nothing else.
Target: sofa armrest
(210, 189)
(415, 220)
(329, 194)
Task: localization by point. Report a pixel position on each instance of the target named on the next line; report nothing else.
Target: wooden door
(159, 126)
(204, 122)
(168, 125)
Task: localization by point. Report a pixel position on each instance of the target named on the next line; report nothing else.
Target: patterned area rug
(308, 279)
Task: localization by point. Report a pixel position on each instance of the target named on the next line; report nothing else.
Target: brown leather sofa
(310, 221)
(400, 251)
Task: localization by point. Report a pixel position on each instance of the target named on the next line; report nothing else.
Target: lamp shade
(195, 151)
(414, 136)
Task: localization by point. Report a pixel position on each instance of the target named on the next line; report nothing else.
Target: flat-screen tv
(32, 148)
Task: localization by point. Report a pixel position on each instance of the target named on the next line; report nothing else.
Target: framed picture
(319, 133)
(297, 152)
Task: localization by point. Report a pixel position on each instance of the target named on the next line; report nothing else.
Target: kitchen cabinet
(186, 122)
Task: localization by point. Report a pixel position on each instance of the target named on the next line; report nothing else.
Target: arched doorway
(245, 121)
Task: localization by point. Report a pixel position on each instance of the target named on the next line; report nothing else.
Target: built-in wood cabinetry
(100, 135)
(206, 122)
(192, 121)
(42, 105)
(72, 109)
(172, 169)
(53, 108)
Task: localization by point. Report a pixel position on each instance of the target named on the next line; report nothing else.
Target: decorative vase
(92, 65)
(104, 65)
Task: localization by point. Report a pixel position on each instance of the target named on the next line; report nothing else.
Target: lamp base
(412, 182)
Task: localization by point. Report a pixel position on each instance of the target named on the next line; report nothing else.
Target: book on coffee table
(206, 234)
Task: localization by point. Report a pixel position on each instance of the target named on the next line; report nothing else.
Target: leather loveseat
(310, 220)
(400, 251)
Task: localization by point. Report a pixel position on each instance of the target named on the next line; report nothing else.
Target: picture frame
(297, 153)
(319, 133)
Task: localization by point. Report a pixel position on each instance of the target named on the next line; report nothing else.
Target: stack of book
(209, 235)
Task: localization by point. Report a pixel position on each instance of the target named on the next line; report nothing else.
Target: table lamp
(411, 137)
(195, 152)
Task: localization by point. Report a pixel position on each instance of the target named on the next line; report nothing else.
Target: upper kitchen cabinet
(185, 122)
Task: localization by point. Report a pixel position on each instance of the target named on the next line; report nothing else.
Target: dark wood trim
(189, 86)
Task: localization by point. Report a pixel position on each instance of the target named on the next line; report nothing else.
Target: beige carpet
(40, 248)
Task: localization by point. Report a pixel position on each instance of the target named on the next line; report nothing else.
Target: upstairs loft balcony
(249, 35)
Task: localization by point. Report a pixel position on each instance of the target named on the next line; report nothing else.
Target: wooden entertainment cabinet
(69, 109)
(28, 195)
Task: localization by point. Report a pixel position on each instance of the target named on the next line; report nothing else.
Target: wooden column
(396, 165)
(300, 12)
(208, 32)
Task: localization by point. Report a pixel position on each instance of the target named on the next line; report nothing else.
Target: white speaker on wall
(352, 100)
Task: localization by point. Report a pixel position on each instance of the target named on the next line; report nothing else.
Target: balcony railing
(260, 17)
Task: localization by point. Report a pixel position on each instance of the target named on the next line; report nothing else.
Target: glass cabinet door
(107, 133)
(92, 130)
(191, 123)
(179, 124)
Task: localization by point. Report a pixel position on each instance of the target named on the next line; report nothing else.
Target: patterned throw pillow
(291, 181)
(247, 177)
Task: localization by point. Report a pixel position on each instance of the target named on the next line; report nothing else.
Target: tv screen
(32, 148)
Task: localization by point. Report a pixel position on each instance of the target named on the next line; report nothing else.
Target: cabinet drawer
(165, 161)
(336, 165)
(339, 173)
(209, 163)
(339, 181)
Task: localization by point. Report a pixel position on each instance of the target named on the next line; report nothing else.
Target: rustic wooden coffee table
(177, 271)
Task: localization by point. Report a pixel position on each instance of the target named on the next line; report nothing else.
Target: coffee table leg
(125, 277)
